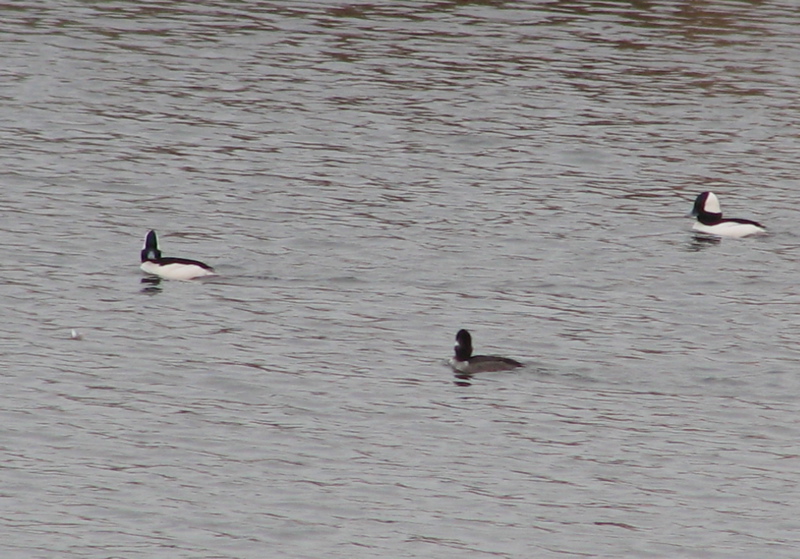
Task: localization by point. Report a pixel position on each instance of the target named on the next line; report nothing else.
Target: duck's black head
(150, 250)
(707, 205)
(463, 347)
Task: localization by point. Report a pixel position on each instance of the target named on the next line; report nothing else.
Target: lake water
(367, 178)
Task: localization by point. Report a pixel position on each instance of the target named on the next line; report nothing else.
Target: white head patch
(712, 204)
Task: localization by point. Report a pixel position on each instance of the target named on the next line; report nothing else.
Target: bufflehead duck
(709, 219)
(170, 268)
(465, 362)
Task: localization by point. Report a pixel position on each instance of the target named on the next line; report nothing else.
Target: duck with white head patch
(464, 362)
(167, 267)
(710, 220)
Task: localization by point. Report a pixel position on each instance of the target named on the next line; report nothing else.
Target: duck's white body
(729, 228)
(176, 270)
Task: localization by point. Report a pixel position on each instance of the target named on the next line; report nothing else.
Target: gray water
(367, 178)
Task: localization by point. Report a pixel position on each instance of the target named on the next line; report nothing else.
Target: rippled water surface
(367, 178)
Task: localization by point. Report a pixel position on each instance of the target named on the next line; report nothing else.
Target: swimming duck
(168, 267)
(464, 362)
(710, 220)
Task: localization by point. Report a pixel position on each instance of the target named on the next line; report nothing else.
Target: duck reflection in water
(702, 241)
(152, 285)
